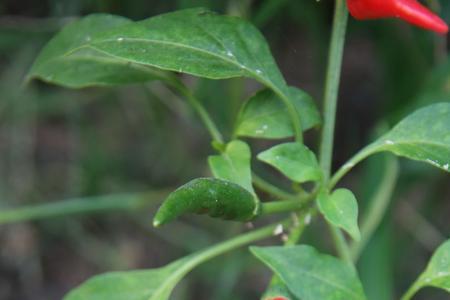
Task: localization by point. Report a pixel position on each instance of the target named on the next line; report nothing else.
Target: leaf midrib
(224, 58)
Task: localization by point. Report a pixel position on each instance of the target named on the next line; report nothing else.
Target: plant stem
(236, 243)
(341, 244)
(412, 290)
(281, 206)
(357, 158)
(378, 206)
(198, 107)
(292, 111)
(270, 188)
(86, 205)
(332, 85)
(331, 92)
(303, 219)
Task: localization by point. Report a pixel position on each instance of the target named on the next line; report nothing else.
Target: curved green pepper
(215, 197)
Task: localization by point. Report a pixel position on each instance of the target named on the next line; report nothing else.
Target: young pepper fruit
(409, 10)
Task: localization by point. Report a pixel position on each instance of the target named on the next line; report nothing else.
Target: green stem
(198, 107)
(269, 208)
(378, 206)
(350, 164)
(293, 114)
(303, 219)
(416, 286)
(236, 243)
(331, 92)
(213, 251)
(332, 85)
(341, 244)
(86, 205)
(269, 188)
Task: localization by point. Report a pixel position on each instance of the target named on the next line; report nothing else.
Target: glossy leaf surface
(422, 136)
(193, 41)
(294, 160)
(215, 197)
(310, 275)
(233, 164)
(197, 42)
(265, 116)
(341, 209)
(68, 60)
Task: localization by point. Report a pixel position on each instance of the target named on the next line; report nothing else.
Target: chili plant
(107, 50)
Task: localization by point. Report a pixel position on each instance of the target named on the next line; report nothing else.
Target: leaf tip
(157, 223)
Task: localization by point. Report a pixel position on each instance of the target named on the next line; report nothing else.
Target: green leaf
(67, 59)
(437, 273)
(233, 164)
(197, 42)
(341, 209)
(193, 41)
(155, 284)
(294, 160)
(265, 116)
(215, 197)
(310, 275)
(422, 136)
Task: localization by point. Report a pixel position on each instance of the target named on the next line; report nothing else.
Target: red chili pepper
(409, 10)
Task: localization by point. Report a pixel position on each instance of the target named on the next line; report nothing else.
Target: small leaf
(341, 209)
(154, 284)
(66, 60)
(437, 273)
(233, 164)
(422, 136)
(265, 116)
(215, 197)
(294, 160)
(310, 275)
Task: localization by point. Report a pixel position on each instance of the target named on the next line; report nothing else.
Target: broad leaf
(341, 209)
(233, 164)
(422, 136)
(193, 41)
(294, 160)
(68, 60)
(437, 273)
(310, 275)
(215, 197)
(197, 42)
(265, 116)
(155, 284)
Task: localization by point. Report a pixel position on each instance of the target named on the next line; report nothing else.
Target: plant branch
(331, 93)
(237, 242)
(88, 205)
(378, 206)
(332, 85)
(269, 188)
(269, 208)
(198, 107)
(341, 245)
(350, 164)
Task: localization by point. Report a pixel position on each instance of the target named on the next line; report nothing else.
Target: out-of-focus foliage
(57, 144)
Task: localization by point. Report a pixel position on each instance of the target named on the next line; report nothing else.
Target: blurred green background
(57, 144)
